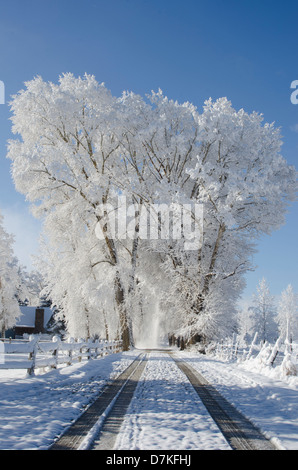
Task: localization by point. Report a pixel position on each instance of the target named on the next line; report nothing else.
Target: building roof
(27, 318)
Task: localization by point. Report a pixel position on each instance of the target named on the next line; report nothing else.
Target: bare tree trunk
(106, 325)
(221, 231)
(87, 323)
(198, 305)
(119, 289)
(124, 326)
(132, 280)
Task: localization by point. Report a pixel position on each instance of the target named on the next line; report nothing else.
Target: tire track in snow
(89, 422)
(237, 429)
(105, 438)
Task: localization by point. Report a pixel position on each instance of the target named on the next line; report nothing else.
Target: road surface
(158, 398)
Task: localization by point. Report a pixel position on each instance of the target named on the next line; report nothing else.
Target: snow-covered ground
(35, 409)
(263, 394)
(165, 412)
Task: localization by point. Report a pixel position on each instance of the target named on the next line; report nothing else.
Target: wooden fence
(266, 353)
(36, 353)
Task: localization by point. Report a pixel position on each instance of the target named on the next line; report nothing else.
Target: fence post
(55, 355)
(81, 342)
(32, 357)
(96, 353)
(70, 341)
(55, 339)
(252, 346)
(88, 350)
(274, 352)
(80, 354)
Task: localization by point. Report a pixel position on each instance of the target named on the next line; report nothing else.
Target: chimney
(39, 320)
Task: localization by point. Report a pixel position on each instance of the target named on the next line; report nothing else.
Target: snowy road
(157, 397)
(165, 412)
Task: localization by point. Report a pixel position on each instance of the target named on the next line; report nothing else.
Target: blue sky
(191, 49)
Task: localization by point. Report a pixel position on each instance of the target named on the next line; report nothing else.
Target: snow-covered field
(165, 412)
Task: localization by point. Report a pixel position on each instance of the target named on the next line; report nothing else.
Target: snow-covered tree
(10, 282)
(229, 162)
(79, 283)
(246, 324)
(287, 314)
(264, 310)
(33, 283)
(245, 185)
(81, 148)
(70, 153)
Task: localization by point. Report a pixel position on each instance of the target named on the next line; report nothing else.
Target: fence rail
(36, 353)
